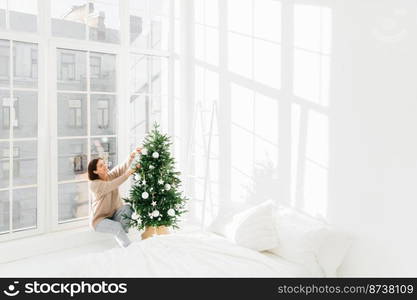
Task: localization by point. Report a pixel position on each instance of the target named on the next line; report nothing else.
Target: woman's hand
(133, 170)
(133, 154)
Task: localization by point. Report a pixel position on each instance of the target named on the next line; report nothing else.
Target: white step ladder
(198, 113)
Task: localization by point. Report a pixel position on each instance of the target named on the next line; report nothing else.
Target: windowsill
(57, 241)
(50, 242)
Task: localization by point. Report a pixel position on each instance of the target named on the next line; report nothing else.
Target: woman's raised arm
(121, 168)
(101, 187)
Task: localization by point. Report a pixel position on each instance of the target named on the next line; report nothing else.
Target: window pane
(139, 74)
(267, 63)
(312, 27)
(25, 64)
(4, 211)
(4, 164)
(103, 72)
(3, 6)
(71, 70)
(25, 122)
(156, 107)
(159, 75)
(72, 201)
(24, 208)
(242, 21)
(5, 114)
(267, 19)
(72, 115)
(159, 7)
(160, 24)
(25, 163)
(139, 24)
(156, 113)
(159, 33)
(240, 55)
(104, 22)
(68, 18)
(199, 42)
(4, 63)
(307, 75)
(149, 24)
(138, 111)
(242, 106)
(23, 15)
(105, 148)
(103, 114)
(266, 119)
(72, 159)
(212, 44)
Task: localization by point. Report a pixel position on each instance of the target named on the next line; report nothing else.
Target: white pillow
(252, 228)
(309, 242)
(333, 250)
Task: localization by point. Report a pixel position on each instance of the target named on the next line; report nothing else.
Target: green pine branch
(155, 196)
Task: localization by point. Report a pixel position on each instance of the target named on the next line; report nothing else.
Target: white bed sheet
(199, 254)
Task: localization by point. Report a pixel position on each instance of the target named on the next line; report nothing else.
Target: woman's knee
(119, 226)
(128, 209)
(107, 226)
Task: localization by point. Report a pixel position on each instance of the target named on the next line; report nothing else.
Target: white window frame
(47, 200)
(40, 138)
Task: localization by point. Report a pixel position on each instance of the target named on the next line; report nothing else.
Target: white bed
(198, 254)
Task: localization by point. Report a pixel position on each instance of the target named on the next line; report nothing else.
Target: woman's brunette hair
(92, 166)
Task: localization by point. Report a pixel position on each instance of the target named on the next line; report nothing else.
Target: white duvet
(179, 255)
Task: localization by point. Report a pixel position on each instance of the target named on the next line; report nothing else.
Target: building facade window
(67, 66)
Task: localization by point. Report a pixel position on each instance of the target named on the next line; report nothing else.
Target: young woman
(107, 207)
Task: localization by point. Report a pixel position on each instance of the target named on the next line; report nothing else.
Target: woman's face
(101, 168)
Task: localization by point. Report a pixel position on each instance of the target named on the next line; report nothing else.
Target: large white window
(87, 124)
(18, 136)
(70, 71)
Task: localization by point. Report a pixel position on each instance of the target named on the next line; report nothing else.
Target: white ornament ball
(145, 195)
(155, 213)
(167, 186)
(171, 212)
(155, 155)
(144, 151)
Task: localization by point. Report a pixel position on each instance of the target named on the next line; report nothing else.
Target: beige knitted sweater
(106, 199)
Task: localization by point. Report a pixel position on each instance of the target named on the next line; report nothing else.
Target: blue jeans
(117, 225)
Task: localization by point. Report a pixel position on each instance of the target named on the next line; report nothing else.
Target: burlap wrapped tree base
(153, 230)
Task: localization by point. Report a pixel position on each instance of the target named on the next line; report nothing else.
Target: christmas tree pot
(154, 230)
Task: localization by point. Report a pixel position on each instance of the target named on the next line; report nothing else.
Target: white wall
(373, 150)
(338, 124)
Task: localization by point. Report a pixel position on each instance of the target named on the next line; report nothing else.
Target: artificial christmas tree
(156, 201)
